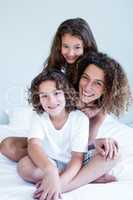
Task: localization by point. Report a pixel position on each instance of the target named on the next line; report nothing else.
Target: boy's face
(71, 48)
(92, 84)
(52, 100)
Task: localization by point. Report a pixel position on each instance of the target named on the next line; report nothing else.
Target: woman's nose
(88, 86)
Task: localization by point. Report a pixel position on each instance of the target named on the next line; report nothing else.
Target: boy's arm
(37, 154)
(50, 185)
(72, 168)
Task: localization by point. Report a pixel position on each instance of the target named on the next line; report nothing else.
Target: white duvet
(12, 187)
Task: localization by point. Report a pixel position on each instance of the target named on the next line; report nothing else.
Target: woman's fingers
(38, 184)
(44, 195)
(37, 195)
(116, 149)
(112, 149)
(107, 147)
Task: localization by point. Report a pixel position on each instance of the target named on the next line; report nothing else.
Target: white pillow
(19, 117)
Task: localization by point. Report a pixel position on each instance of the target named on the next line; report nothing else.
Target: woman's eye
(57, 93)
(99, 83)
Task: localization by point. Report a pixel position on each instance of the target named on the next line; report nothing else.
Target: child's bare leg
(14, 147)
(28, 171)
(96, 167)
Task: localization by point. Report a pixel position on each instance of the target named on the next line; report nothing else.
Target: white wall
(27, 28)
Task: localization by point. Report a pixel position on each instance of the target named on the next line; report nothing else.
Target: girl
(72, 40)
(58, 134)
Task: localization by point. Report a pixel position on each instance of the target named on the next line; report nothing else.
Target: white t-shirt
(58, 144)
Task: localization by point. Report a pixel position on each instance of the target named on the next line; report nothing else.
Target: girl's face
(92, 84)
(52, 100)
(71, 48)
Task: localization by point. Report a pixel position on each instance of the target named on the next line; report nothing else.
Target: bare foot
(106, 178)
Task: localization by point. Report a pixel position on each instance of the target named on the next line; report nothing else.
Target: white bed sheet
(12, 187)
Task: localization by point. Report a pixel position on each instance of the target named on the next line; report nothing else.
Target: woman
(103, 89)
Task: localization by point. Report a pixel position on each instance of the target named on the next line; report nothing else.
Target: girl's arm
(72, 168)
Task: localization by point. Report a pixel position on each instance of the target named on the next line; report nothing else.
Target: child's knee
(8, 148)
(23, 168)
(5, 143)
(11, 150)
(27, 171)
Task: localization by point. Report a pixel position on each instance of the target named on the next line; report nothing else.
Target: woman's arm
(107, 147)
(72, 168)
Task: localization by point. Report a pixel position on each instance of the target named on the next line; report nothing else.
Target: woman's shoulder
(111, 126)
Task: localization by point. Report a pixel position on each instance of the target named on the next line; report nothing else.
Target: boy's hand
(49, 188)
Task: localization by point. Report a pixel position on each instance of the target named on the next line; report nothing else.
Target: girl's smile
(71, 48)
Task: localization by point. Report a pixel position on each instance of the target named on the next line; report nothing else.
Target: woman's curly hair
(117, 95)
(59, 78)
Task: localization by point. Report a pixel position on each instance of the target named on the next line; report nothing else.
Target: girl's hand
(49, 187)
(107, 147)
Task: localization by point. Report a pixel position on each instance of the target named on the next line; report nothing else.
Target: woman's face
(71, 48)
(92, 84)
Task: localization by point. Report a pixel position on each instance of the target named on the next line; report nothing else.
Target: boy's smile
(52, 100)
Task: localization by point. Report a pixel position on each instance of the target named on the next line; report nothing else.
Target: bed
(14, 188)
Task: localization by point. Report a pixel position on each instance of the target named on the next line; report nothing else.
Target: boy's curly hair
(61, 84)
(117, 95)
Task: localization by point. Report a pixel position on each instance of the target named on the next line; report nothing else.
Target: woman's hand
(49, 187)
(107, 147)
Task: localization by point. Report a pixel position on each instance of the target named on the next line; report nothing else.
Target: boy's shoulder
(39, 116)
(79, 115)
